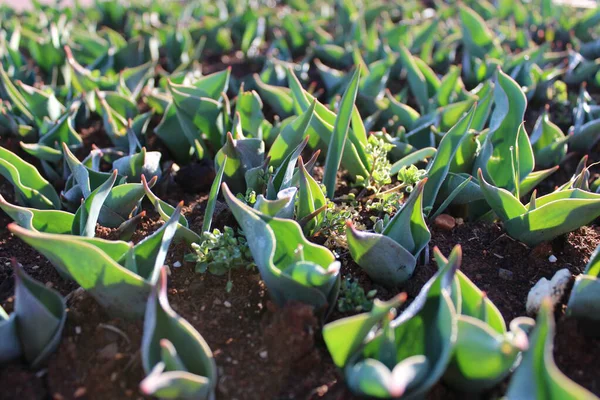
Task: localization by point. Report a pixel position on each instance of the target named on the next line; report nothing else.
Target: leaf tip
(402, 297)
(152, 182)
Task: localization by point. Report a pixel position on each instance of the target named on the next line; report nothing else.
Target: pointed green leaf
(340, 135)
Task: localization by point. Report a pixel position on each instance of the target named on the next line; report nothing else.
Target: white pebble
(78, 330)
(552, 258)
(553, 289)
(227, 304)
(176, 264)
(263, 354)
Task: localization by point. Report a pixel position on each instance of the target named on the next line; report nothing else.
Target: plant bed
(352, 202)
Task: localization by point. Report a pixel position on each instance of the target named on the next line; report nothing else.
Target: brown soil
(263, 352)
(252, 339)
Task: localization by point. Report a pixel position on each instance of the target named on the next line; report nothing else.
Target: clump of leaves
(376, 151)
(373, 351)
(386, 202)
(538, 376)
(352, 297)
(391, 256)
(293, 268)
(221, 252)
(333, 226)
(249, 198)
(584, 301)
(34, 329)
(115, 273)
(176, 358)
(409, 176)
(544, 218)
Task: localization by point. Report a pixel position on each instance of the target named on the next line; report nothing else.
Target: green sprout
(352, 297)
(221, 252)
(409, 176)
(335, 216)
(386, 202)
(376, 151)
(249, 198)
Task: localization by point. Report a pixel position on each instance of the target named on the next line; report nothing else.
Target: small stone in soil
(227, 304)
(444, 222)
(505, 274)
(263, 354)
(176, 264)
(544, 288)
(552, 258)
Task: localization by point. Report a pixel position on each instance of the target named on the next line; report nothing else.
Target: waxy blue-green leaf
(146, 163)
(584, 136)
(506, 155)
(406, 116)
(31, 189)
(242, 155)
(416, 80)
(404, 357)
(555, 213)
(212, 197)
(133, 80)
(390, 258)
(290, 137)
(345, 336)
(14, 95)
(34, 329)
(478, 39)
(413, 158)
(177, 360)
(354, 158)
(282, 206)
(439, 167)
(248, 107)
(374, 80)
(198, 116)
(117, 274)
(49, 221)
(41, 104)
(333, 79)
(279, 98)
(485, 352)
(165, 211)
(584, 302)
(82, 180)
(171, 133)
(85, 81)
(49, 146)
(293, 268)
(548, 142)
(449, 86)
(340, 135)
(115, 110)
(538, 377)
(283, 176)
(485, 95)
(84, 222)
(310, 200)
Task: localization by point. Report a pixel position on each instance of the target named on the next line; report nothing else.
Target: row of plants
(422, 109)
